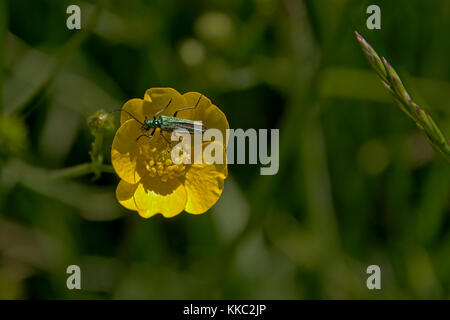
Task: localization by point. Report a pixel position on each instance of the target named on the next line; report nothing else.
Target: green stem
(393, 83)
(80, 170)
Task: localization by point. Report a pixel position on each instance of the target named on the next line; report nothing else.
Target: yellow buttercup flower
(150, 182)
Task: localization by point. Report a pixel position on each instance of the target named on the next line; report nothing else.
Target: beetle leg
(148, 136)
(162, 135)
(143, 135)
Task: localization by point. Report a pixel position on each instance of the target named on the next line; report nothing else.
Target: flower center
(159, 163)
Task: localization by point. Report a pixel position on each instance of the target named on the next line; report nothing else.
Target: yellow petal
(135, 107)
(125, 194)
(195, 99)
(125, 151)
(159, 98)
(153, 196)
(204, 185)
(210, 115)
(221, 164)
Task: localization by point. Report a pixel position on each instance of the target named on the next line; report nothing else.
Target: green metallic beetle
(169, 124)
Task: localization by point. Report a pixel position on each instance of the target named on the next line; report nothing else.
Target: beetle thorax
(151, 123)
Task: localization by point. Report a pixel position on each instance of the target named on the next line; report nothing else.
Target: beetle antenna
(131, 115)
(199, 99)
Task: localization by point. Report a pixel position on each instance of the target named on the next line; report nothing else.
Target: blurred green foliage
(358, 184)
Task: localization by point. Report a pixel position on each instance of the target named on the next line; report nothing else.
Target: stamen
(159, 164)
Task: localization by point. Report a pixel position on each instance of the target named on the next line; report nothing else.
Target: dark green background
(358, 184)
